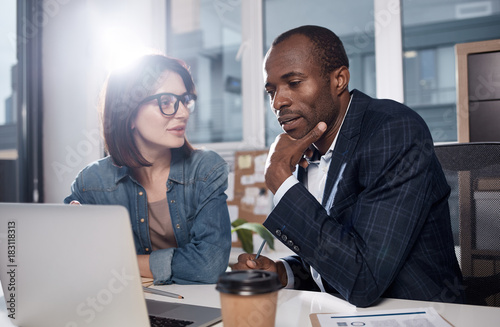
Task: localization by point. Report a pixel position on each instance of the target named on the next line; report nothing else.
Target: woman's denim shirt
(198, 209)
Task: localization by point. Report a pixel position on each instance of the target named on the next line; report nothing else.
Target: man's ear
(340, 78)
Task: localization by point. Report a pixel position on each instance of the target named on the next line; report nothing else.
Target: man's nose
(281, 100)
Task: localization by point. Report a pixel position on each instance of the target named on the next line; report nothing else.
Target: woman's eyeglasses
(169, 102)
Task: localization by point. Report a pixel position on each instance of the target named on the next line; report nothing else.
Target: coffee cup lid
(248, 282)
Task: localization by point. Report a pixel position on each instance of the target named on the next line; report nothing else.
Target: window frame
(252, 56)
(25, 135)
(391, 40)
(250, 53)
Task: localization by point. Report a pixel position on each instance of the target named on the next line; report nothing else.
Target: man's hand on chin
(285, 153)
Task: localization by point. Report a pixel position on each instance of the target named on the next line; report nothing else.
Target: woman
(174, 193)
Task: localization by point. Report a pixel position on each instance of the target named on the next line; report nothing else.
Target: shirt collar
(121, 173)
(176, 170)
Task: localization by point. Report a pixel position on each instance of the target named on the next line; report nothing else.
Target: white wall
(75, 59)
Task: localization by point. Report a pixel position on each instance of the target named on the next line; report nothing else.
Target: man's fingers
(245, 261)
(307, 155)
(303, 163)
(309, 152)
(252, 264)
(313, 135)
(316, 132)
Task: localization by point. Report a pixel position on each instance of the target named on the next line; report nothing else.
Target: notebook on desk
(71, 266)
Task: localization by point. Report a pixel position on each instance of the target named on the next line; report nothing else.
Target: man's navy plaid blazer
(388, 233)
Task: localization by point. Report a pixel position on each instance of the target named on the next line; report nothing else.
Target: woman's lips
(178, 130)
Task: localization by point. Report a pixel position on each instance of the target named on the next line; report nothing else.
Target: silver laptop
(71, 266)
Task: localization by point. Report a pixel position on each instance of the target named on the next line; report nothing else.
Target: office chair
(473, 173)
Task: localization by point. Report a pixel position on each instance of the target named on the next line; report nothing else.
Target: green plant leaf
(244, 235)
(240, 225)
(237, 223)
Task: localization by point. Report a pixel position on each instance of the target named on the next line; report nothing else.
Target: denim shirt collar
(121, 172)
(177, 168)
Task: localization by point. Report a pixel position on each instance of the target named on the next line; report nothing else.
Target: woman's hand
(144, 269)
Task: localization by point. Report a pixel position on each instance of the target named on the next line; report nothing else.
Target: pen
(260, 249)
(160, 292)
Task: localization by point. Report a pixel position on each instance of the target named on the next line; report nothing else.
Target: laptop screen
(70, 266)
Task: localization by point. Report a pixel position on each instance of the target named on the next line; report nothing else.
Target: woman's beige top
(160, 226)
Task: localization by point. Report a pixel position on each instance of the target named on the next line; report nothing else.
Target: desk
(294, 306)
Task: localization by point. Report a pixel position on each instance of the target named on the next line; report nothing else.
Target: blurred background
(55, 55)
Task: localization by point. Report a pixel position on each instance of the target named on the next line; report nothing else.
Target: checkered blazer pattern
(385, 229)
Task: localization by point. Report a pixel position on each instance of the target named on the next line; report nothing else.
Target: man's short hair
(328, 49)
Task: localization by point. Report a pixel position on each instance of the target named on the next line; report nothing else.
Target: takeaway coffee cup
(248, 298)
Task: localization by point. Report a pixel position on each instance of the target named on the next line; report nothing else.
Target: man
(367, 214)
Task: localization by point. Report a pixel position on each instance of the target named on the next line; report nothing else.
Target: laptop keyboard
(168, 322)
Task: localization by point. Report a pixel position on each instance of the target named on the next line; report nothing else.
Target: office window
(7, 64)
(207, 35)
(355, 27)
(431, 28)
(219, 39)
(20, 94)
(8, 127)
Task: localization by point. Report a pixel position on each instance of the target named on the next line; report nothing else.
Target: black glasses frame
(185, 98)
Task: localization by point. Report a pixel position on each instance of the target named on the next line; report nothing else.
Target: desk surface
(294, 306)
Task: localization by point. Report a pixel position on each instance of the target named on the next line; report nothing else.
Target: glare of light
(121, 48)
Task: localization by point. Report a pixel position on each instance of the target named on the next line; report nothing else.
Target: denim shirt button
(178, 226)
(142, 220)
(140, 193)
(147, 249)
(172, 201)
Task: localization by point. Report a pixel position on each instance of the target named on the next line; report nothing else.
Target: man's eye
(294, 83)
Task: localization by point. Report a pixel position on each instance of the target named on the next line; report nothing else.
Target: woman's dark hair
(122, 94)
(328, 49)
